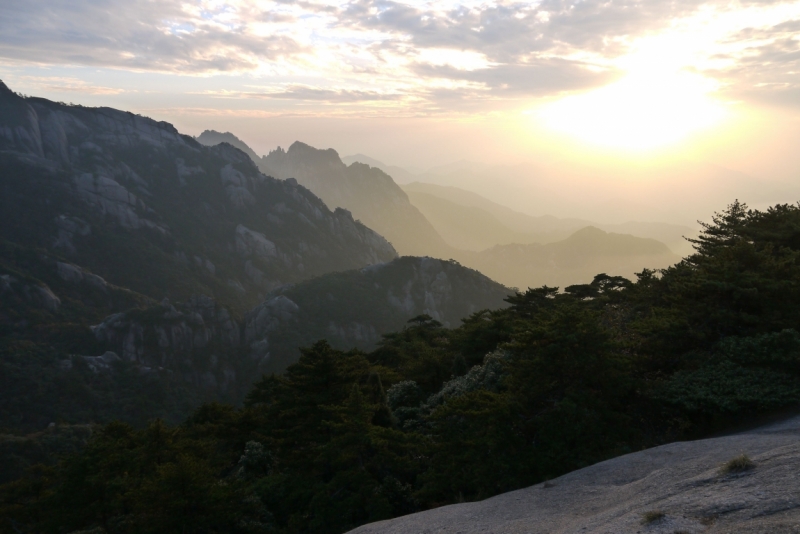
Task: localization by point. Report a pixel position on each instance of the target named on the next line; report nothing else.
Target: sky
(612, 85)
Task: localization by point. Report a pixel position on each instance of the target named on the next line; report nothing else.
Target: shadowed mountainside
(146, 208)
(355, 308)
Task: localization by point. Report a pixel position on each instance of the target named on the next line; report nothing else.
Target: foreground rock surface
(682, 480)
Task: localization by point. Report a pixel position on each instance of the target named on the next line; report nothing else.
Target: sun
(640, 112)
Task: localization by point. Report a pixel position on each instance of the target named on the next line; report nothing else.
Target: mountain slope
(468, 227)
(355, 308)
(369, 193)
(69, 363)
(149, 209)
(514, 220)
(682, 481)
(399, 174)
(212, 138)
(574, 260)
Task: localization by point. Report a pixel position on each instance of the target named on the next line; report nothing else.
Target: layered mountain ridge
(120, 194)
(448, 222)
(148, 270)
(367, 192)
(579, 257)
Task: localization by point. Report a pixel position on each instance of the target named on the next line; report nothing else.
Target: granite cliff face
(212, 350)
(141, 205)
(197, 339)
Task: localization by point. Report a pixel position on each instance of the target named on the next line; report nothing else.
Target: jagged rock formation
(38, 295)
(677, 488)
(368, 192)
(144, 207)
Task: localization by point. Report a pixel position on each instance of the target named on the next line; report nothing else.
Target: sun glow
(642, 111)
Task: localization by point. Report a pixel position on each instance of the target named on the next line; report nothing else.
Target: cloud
(537, 78)
(308, 93)
(764, 64)
(60, 84)
(153, 35)
(427, 55)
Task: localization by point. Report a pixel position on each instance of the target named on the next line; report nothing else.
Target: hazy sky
(422, 83)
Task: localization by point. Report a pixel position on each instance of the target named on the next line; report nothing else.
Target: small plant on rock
(737, 465)
(652, 516)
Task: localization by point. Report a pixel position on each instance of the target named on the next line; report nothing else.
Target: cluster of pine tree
(558, 381)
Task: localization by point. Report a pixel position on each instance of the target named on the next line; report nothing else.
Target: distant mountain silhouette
(367, 192)
(678, 193)
(212, 137)
(400, 175)
(541, 229)
(451, 222)
(574, 260)
(470, 227)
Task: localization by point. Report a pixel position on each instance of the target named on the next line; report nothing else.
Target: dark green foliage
(555, 382)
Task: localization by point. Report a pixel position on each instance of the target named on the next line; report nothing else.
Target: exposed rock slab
(682, 480)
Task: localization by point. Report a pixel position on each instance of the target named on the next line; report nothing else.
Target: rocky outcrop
(682, 487)
(75, 275)
(197, 339)
(38, 295)
(355, 308)
(350, 309)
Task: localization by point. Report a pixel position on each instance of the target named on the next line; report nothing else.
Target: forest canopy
(561, 379)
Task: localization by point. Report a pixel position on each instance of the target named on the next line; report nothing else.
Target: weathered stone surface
(251, 243)
(173, 337)
(39, 295)
(683, 480)
(76, 275)
(238, 187)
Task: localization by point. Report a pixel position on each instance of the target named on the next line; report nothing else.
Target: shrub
(652, 516)
(737, 465)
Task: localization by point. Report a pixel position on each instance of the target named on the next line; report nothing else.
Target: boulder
(683, 487)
